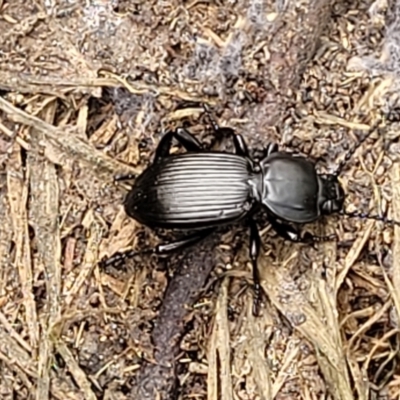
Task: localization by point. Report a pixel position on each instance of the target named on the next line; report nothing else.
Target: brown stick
(182, 292)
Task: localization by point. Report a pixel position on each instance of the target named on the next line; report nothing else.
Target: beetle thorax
(291, 188)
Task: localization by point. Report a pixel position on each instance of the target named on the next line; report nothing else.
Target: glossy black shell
(192, 190)
(291, 188)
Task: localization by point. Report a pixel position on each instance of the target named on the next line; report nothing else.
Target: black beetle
(204, 189)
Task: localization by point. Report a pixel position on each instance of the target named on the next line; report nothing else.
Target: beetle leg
(160, 249)
(267, 151)
(255, 244)
(214, 123)
(185, 138)
(240, 145)
(183, 242)
(126, 177)
(288, 232)
(238, 141)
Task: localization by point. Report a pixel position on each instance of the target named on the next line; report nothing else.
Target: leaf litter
(87, 88)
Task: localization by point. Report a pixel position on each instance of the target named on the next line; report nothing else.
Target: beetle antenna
(364, 215)
(213, 122)
(350, 153)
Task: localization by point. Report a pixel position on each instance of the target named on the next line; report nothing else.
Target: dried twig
(59, 86)
(67, 140)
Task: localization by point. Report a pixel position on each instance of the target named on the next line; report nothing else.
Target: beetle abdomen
(191, 190)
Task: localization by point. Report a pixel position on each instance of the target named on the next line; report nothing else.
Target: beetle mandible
(203, 190)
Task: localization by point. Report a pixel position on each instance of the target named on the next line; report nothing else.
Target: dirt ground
(87, 88)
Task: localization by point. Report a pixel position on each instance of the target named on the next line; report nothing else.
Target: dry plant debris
(86, 90)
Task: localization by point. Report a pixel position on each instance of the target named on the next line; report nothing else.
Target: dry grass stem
(44, 212)
(17, 184)
(219, 367)
(277, 282)
(90, 258)
(79, 376)
(396, 245)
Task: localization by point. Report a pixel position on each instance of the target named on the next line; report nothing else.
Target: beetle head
(331, 194)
